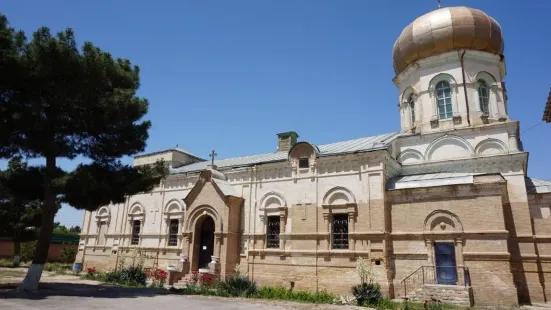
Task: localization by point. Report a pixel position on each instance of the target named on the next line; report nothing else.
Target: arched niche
(439, 78)
(137, 212)
(442, 222)
(409, 107)
(338, 196)
(490, 146)
(174, 209)
(201, 211)
(303, 155)
(410, 90)
(448, 147)
(486, 77)
(103, 215)
(410, 156)
(272, 204)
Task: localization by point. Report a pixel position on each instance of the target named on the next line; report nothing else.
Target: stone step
(537, 306)
(450, 294)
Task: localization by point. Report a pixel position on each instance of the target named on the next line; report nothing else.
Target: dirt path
(16, 275)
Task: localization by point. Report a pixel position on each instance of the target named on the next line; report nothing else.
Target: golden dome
(444, 30)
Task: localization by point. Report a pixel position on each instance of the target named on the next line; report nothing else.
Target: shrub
(131, 276)
(159, 278)
(90, 273)
(27, 250)
(433, 304)
(237, 286)
(367, 293)
(134, 275)
(68, 253)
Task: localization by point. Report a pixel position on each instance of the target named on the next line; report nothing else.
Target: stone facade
(449, 195)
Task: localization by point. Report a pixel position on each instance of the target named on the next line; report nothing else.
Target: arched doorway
(204, 239)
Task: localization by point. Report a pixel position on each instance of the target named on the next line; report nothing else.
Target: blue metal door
(446, 271)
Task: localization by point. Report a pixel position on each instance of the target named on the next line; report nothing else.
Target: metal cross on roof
(439, 3)
(212, 155)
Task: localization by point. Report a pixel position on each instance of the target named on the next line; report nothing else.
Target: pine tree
(20, 202)
(59, 101)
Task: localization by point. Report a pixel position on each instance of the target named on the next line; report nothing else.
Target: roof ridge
(367, 143)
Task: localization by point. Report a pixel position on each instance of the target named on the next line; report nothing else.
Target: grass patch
(58, 268)
(281, 293)
(11, 273)
(8, 263)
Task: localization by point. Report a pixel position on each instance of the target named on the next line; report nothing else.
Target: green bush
(133, 276)
(68, 253)
(367, 293)
(281, 293)
(27, 250)
(237, 286)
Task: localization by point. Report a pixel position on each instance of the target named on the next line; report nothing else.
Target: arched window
(444, 100)
(411, 104)
(483, 97)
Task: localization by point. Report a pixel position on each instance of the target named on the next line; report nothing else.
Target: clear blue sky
(229, 75)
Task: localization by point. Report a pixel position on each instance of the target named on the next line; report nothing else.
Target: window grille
(273, 232)
(340, 231)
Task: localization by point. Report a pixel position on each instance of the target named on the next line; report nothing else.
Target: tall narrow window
(173, 233)
(444, 100)
(136, 226)
(273, 232)
(411, 103)
(340, 231)
(483, 97)
(101, 235)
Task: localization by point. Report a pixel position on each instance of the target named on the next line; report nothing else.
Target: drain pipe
(465, 87)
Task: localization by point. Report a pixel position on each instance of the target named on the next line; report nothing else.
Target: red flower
(194, 272)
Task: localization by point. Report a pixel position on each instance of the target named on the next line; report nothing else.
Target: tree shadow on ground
(45, 290)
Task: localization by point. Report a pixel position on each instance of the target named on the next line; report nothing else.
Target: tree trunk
(30, 283)
(17, 236)
(17, 246)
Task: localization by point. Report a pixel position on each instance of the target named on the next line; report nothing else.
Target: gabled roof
(350, 146)
(535, 186)
(174, 149)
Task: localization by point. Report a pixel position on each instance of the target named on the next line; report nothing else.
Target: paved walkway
(155, 302)
(73, 293)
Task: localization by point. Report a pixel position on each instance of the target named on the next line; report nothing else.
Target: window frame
(301, 162)
(273, 236)
(343, 242)
(411, 105)
(448, 114)
(101, 225)
(135, 236)
(482, 83)
(172, 239)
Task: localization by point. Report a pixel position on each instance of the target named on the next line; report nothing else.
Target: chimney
(286, 140)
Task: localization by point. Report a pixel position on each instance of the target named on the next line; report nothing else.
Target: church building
(442, 206)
